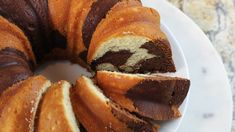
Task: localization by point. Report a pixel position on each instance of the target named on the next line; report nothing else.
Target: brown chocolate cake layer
(98, 11)
(13, 68)
(134, 125)
(161, 62)
(153, 97)
(157, 97)
(115, 58)
(32, 17)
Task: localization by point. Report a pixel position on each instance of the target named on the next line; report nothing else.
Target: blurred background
(217, 19)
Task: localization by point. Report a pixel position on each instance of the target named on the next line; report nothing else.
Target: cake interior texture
(56, 113)
(153, 96)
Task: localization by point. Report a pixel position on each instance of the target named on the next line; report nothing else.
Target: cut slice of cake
(56, 113)
(99, 114)
(19, 103)
(155, 97)
(130, 40)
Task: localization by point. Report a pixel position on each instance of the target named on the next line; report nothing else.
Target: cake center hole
(62, 70)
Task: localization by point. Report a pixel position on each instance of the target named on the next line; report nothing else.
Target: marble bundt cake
(112, 35)
(157, 97)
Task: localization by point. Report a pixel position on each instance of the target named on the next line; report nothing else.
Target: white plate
(182, 71)
(210, 103)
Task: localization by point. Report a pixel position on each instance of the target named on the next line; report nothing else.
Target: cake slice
(98, 114)
(130, 40)
(98, 11)
(56, 113)
(156, 97)
(19, 103)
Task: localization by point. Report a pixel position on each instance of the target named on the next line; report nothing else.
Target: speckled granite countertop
(217, 19)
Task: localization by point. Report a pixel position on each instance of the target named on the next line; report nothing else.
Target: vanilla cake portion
(19, 104)
(56, 113)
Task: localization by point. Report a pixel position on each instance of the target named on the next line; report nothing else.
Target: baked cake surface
(111, 35)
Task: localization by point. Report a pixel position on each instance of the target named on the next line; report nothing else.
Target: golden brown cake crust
(59, 10)
(19, 103)
(76, 17)
(70, 21)
(78, 44)
(13, 37)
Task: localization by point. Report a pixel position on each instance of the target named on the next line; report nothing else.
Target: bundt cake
(111, 35)
(98, 113)
(155, 97)
(56, 113)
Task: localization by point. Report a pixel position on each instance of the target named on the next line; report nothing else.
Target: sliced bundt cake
(155, 97)
(115, 35)
(19, 103)
(97, 113)
(130, 40)
(56, 113)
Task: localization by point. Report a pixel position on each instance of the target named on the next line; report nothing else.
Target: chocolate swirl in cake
(32, 17)
(98, 11)
(13, 68)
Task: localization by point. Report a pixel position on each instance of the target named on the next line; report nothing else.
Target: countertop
(217, 19)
